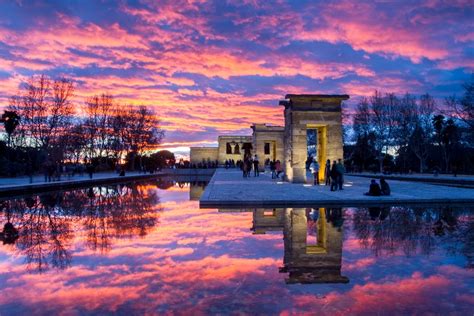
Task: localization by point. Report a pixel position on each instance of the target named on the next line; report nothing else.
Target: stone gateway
(313, 127)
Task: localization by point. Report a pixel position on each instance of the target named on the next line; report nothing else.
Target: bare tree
(144, 132)
(421, 137)
(46, 111)
(406, 125)
(463, 107)
(98, 124)
(384, 121)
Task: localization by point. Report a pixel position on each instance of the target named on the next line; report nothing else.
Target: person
(334, 175)
(374, 189)
(314, 167)
(90, 170)
(255, 167)
(340, 173)
(278, 168)
(272, 169)
(327, 172)
(384, 187)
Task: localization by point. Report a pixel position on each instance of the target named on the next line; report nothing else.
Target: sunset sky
(215, 67)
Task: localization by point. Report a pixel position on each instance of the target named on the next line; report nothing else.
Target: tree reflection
(412, 230)
(47, 225)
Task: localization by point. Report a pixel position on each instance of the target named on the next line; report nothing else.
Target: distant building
(313, 126)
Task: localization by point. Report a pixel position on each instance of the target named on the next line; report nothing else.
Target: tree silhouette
(10, 121)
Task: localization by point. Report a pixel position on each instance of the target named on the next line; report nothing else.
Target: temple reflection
(312, 242)
(313, 247)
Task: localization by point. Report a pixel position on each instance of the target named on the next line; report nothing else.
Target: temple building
(313, 127)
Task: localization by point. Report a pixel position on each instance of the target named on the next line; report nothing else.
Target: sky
(215, 67)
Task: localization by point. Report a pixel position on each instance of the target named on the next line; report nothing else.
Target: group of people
(276, 168)
(250, 164)
(247, 164)
(230, 163)
(334, 174)
(377, 190)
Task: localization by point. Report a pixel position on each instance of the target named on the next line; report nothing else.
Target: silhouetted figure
(384, 187)
(90, 170)
(327, 172)
(374, 189)
(340, 173)
(255, 167)
(334, 175)
(272, 169)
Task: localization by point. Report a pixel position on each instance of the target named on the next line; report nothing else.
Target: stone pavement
(446, 179)
(228, 188)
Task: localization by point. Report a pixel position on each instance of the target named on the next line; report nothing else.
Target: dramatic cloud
(213, 67)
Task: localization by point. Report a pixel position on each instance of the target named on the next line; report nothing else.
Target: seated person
(384, 187)
(374, 189)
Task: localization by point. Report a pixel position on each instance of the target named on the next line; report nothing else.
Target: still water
(147, 248)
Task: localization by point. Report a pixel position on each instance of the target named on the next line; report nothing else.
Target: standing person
(255, 167)
(90, 170)
(314, 167)
(334, 175)
(272, 169)
(279, 168)
(327, 172)
(340, 173)
(248, 166)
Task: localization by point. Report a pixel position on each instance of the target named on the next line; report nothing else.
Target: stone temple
(313, 127)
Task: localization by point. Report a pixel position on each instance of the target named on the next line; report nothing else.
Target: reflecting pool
(147, 248)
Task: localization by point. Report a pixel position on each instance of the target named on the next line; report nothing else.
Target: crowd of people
(251, 165)
(333, 173)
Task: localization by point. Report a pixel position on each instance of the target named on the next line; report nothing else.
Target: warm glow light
(209, 69)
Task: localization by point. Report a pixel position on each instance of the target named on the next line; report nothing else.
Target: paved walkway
(446, 179)
(227, 188)
(39, 179)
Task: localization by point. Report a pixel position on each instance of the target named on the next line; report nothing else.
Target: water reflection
(196, 184)
(415, 230)
(165, 255)
(313, 237)
(42, 228)
(312, 242)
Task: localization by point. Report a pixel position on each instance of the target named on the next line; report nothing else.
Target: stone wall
(197, 154)
(222, 152)
(268, 134)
